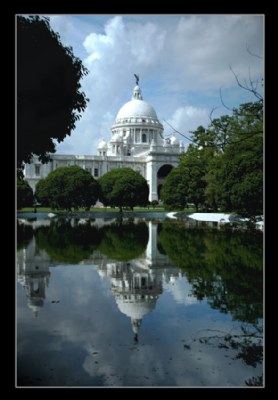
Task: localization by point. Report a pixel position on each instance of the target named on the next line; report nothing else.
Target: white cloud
(182, 62)
(203, 48)
(181, 291)
(186, 119)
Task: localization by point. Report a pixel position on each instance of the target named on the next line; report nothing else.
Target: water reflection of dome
(136, 291)
(136, 287)
(137, 284)
(136, 310)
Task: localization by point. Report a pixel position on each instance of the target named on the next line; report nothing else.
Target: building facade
(137, 142)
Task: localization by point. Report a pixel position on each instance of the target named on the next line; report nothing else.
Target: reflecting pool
(138, 302)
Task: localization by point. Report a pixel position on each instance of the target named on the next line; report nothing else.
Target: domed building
(137, 142)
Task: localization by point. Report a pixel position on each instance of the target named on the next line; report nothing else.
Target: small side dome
(117, 137)
(102, 145)
(174, 141)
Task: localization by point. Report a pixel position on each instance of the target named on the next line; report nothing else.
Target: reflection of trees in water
(124, 241)
(255, 381)
(225, 267)
(246, 345)
(73, 243)
(66, 243)
(24, 235)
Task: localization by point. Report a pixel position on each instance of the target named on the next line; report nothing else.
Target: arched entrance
(162, 174)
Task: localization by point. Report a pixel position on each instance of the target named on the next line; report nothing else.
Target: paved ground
(211, 217)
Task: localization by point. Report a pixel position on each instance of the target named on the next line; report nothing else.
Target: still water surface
(138, 303)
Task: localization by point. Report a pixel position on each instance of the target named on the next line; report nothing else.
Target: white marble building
(137, 142)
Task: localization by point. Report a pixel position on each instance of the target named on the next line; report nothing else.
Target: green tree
(25, 197)
(67, 188)
(174, 191)
(223, 167)
(123, 187)
(154, 203)
(212, 186)
(193, 166)
(240, 176)
(203, 137)
(42, 193)
(186, 184)
(49, 100)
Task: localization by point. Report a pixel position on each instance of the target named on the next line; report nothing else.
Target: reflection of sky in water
(85, 333)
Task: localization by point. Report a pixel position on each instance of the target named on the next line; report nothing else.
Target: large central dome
(135, 131)
(136, 108)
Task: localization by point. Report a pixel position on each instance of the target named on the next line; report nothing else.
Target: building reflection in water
(136, 284)
(33, 274)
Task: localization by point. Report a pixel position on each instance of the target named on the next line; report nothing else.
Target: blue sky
(182, 62)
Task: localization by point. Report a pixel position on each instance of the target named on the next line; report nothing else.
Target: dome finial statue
(137, 79)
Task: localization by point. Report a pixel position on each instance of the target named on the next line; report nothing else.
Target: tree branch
(252, 54)
(175, 130)
(222, 101)
(246, 87)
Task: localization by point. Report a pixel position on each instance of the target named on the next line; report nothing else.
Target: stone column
(152, 179)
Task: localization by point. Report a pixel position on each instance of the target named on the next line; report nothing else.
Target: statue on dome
(137, 78)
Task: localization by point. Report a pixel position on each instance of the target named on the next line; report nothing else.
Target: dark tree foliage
(186, 184)
(246, 345)
(24, 234)
(70, 243)
(255, 381)
(223, 168)
(25, 197)
(240, 176)
(175, 199)
(123, 187)
(42, 193)
(49, 100)
(67, 188)
(66, 243)
(223, 266)
(124, 242)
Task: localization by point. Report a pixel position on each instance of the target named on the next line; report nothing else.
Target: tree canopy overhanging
(49, 100)
(222, 168)
(25, 197)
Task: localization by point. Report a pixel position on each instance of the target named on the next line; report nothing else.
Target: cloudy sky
(182, 62)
